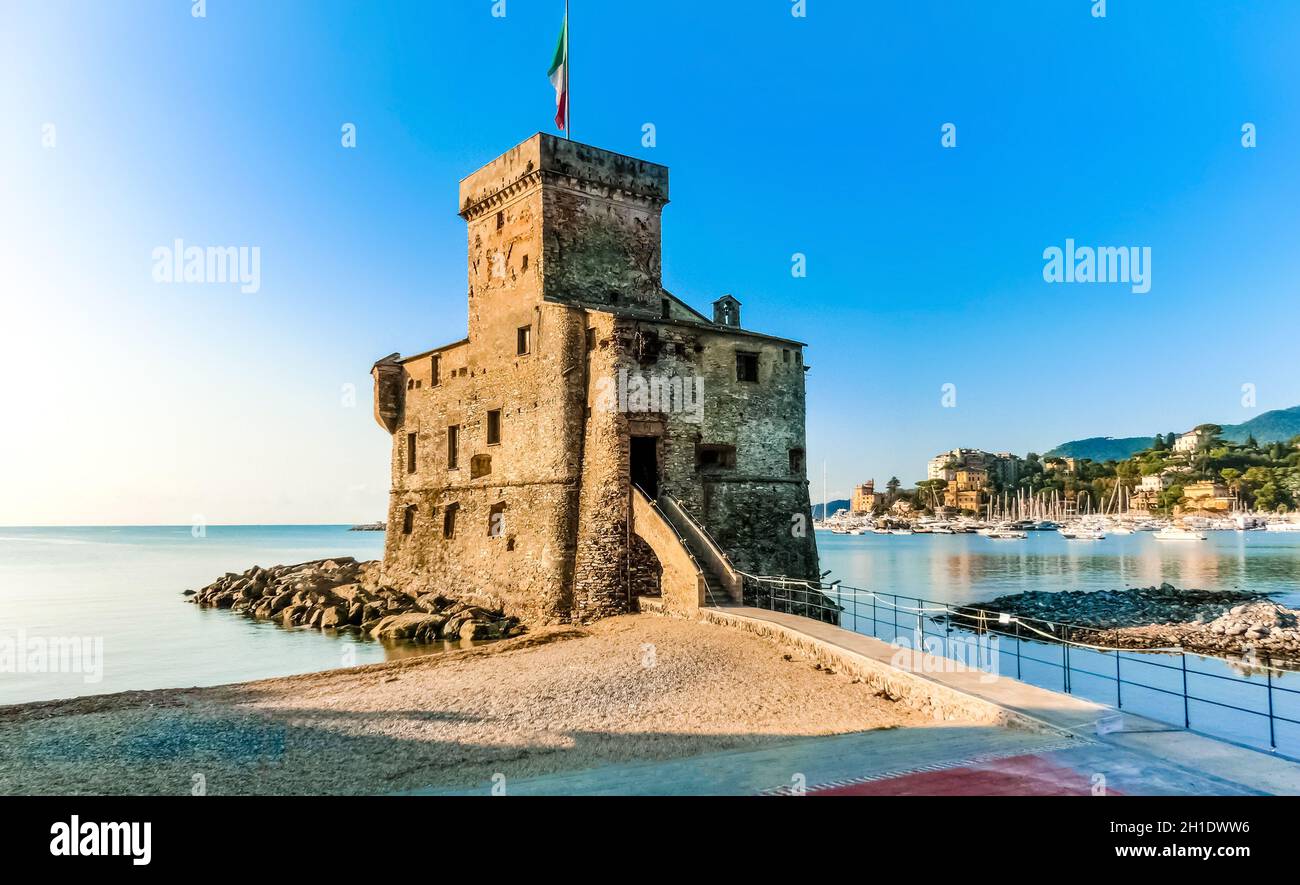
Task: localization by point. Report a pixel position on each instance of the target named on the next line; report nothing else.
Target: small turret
(388, 374)
(726, 311)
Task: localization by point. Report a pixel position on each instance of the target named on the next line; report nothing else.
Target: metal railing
(1051, 647)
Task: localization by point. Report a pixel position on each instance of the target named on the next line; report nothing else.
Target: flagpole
(568, 61)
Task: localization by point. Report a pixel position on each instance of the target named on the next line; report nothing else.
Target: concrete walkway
(1049, 746)
(1147, 757)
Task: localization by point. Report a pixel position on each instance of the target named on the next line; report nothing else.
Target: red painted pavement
(1013, 776)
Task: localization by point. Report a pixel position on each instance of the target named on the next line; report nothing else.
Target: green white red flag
(559, 74)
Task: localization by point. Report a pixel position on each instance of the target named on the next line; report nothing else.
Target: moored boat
(1174, 533)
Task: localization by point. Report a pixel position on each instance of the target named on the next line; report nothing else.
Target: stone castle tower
(593, 439)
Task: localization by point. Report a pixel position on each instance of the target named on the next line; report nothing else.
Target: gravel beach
(637, 687)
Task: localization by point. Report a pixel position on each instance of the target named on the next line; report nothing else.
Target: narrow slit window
(449, 520)
(408, 520)
(494, 427)
(497, 520)
(453, 447)
(524, 340)
(410, 453)
(434, 371)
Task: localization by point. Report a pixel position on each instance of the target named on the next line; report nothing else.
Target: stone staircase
(719, 574)
(695, 570)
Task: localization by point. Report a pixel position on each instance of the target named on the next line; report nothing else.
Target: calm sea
(972, 568)
(121, 587)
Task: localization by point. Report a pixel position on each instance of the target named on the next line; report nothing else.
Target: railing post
(1187, 718)
(1119, 683)
(1272, 736)
(920, 622)
(1065, 662)
(875, 629)
(894, 638)
(947, 627)
(1017, 648)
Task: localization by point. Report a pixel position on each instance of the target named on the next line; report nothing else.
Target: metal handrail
(705, 530)
(977, 621)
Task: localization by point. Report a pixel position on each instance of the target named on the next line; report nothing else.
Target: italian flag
(559, 74)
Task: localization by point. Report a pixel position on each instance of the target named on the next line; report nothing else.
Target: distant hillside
(1102, 448)
(1278, 425)
(833, 506)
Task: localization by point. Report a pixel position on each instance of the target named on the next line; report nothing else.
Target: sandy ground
(631, 688)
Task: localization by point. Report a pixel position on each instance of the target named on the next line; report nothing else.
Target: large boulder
(418, 626)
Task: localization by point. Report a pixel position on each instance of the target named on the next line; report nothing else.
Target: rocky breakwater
(1214, 622)
(343, 594)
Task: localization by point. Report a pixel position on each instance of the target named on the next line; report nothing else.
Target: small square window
(524, 340)
(494, 427)
(714, 457)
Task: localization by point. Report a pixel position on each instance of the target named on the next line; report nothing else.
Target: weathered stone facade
(515, 449)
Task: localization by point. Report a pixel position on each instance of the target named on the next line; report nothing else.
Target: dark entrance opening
(645, 464)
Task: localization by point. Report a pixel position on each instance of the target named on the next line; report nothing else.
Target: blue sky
(131, 401)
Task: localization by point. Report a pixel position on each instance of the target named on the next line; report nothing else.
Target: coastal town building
(866, 499)
(1146, 495)
(1004, 465)
(1008, 468)
(593, 438)
(1190, 441)
(967, 490)
(1213, 496)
